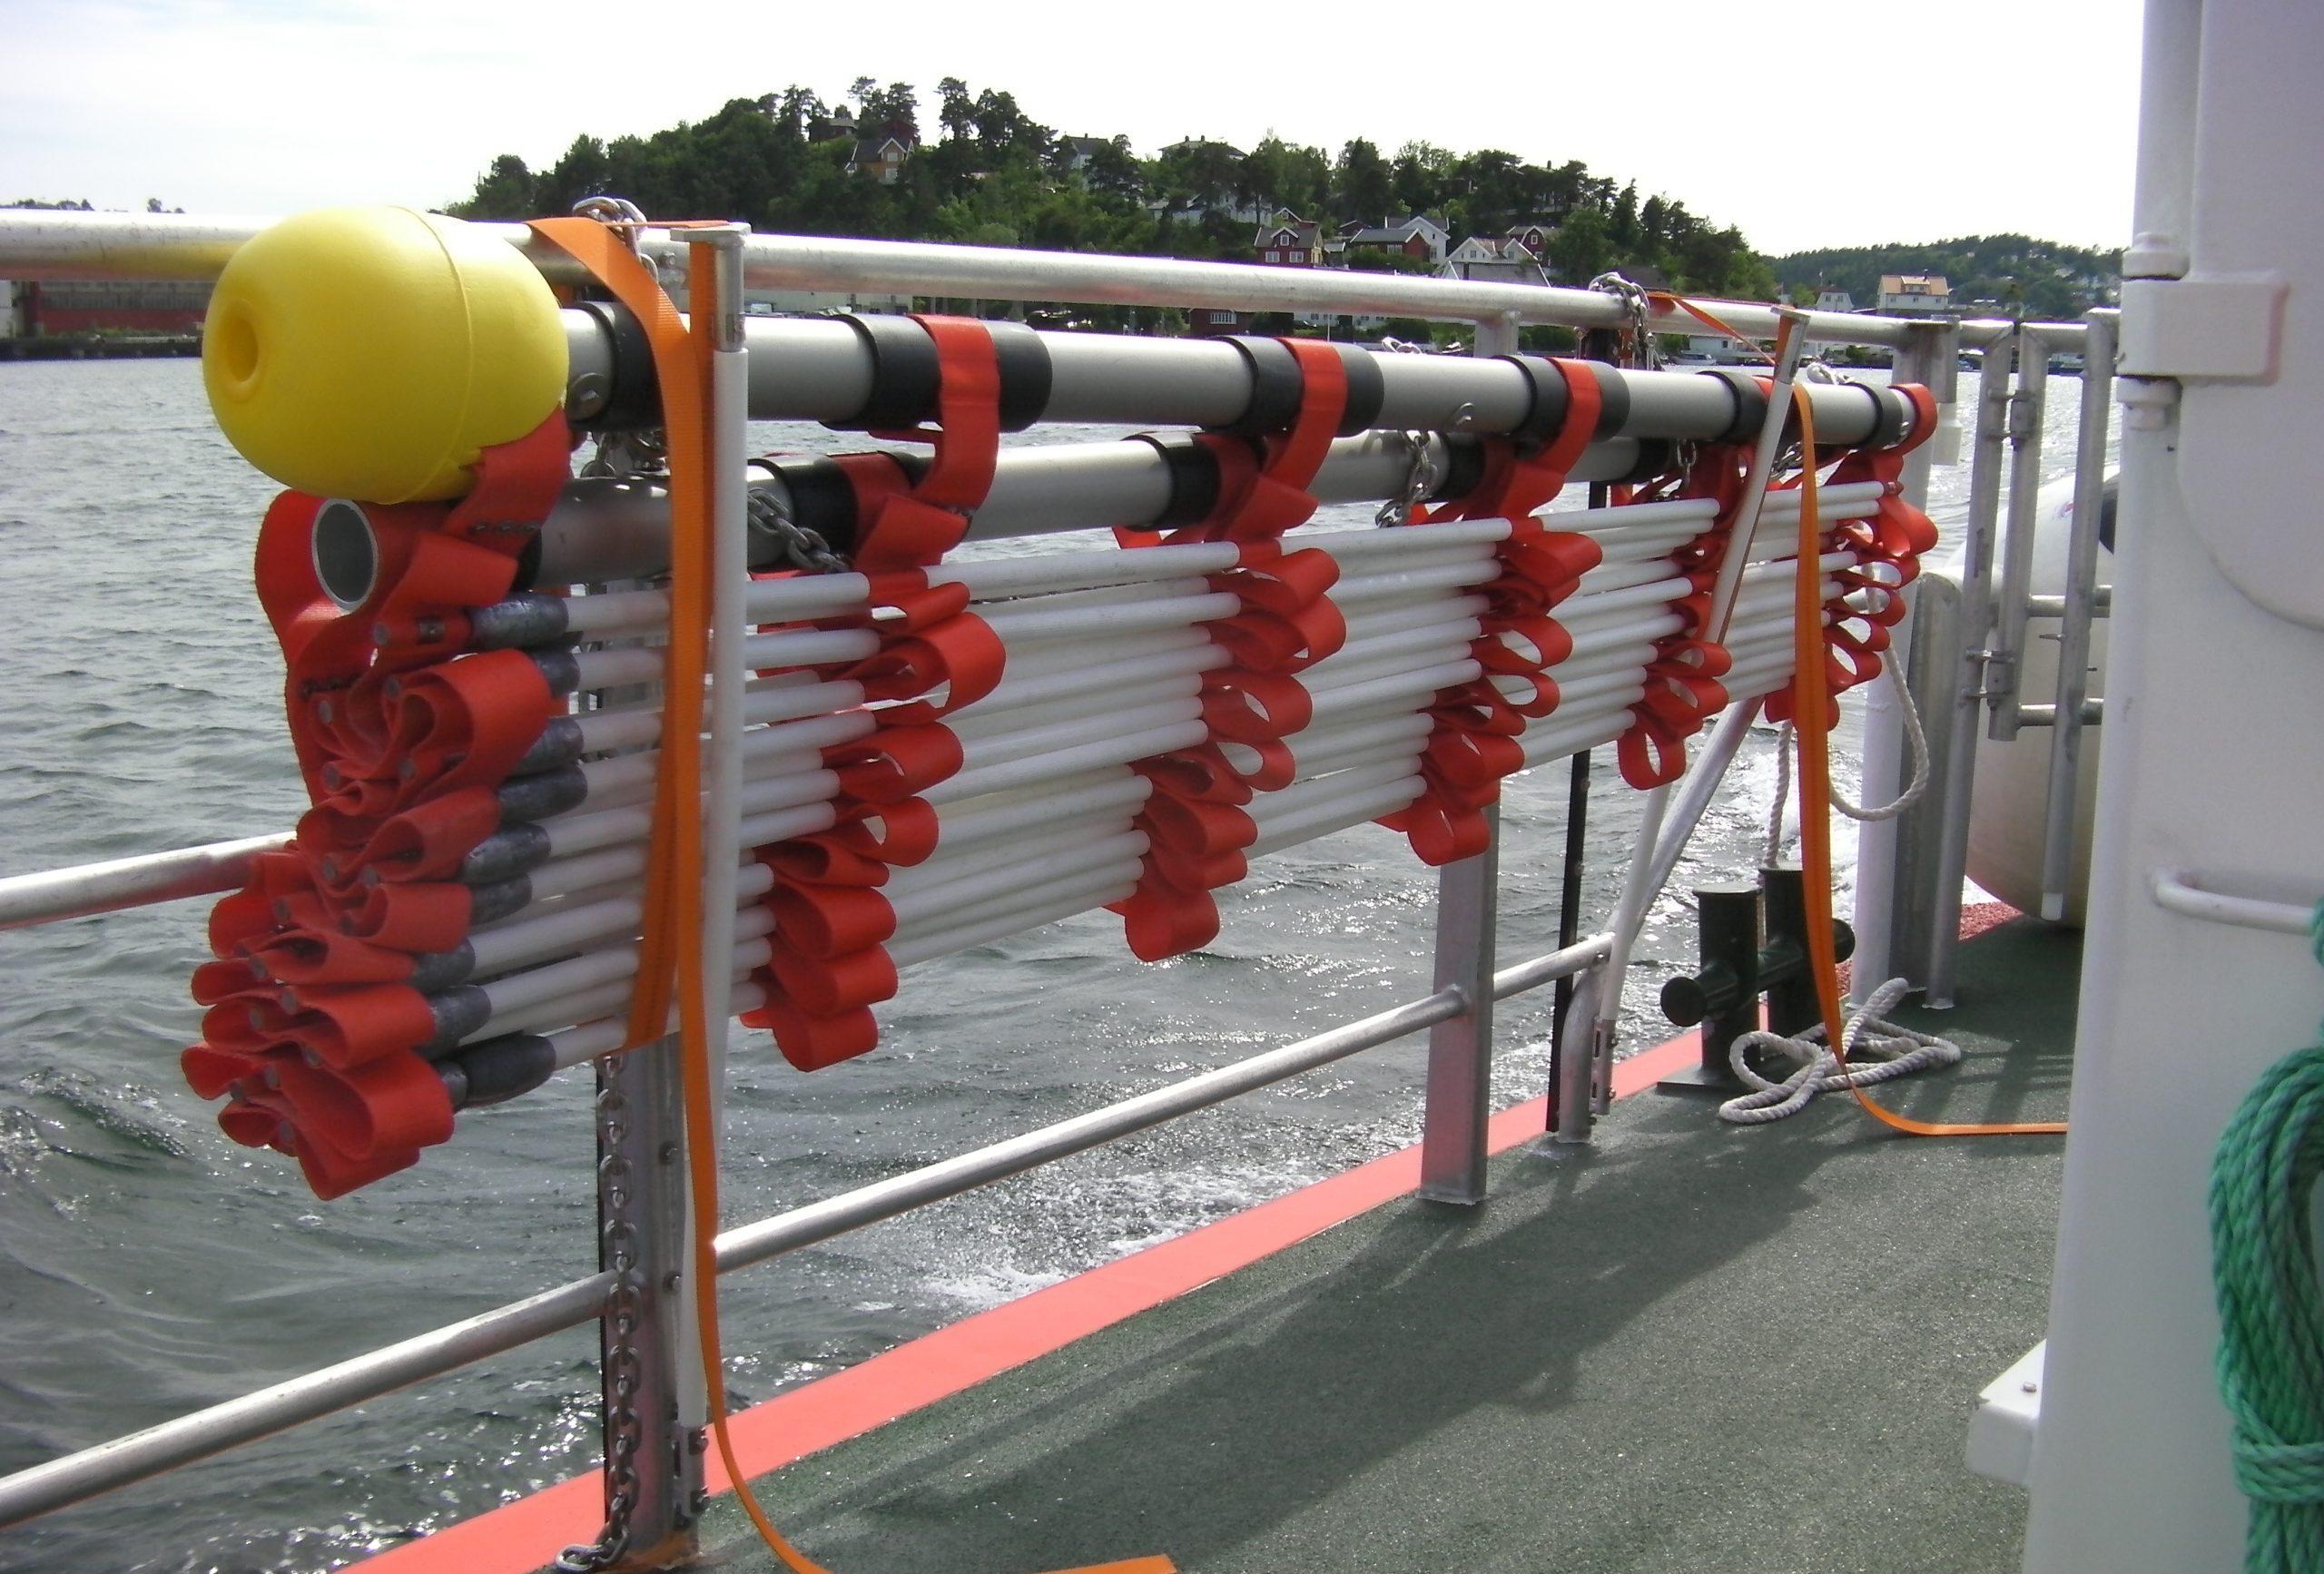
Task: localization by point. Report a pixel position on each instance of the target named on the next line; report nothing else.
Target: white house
(1485, 260)
(1829, 297)
(1915, 294)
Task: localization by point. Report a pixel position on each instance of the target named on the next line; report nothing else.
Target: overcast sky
(1899, 121)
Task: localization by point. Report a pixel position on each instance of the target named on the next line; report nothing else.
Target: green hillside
(986, 173)
(2039, 279)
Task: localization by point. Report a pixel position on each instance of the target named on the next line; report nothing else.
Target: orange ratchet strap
(670, 953)
(1812, 725)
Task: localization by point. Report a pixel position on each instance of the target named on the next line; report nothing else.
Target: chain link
(1638, 347)
(801, 547)
(617, 1248)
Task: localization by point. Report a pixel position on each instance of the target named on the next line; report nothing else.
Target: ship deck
(1690, 1346)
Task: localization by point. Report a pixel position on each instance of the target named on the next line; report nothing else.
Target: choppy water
(149, 1267)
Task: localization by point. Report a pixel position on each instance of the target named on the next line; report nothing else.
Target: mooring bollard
(1723, 994)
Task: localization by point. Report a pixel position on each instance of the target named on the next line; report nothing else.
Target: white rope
(1915, 739)
(1877, 1051)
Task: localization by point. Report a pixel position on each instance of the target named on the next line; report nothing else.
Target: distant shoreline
(100, 347)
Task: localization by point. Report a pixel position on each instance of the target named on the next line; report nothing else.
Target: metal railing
(1457, 1013)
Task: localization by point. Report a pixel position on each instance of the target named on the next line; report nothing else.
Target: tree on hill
(994, 176)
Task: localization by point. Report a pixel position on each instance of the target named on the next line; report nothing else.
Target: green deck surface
(1690, 1347)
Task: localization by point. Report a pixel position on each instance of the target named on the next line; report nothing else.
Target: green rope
(2271, 1306)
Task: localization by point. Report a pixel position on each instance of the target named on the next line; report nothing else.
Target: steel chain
(801, 547)
(1638, 348)
(624, 1311)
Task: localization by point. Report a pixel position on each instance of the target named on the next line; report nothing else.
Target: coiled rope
(1872, 1050)
(2271, 1307)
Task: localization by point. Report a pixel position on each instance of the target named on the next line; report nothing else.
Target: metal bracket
(2225, 327)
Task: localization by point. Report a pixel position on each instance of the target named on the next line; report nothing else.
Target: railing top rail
(48, 245)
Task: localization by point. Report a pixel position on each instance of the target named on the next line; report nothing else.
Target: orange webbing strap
(1812, 722)
(670, 955)
(1666, 299)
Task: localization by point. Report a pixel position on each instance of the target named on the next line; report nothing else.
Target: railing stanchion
(2027, 406)
(1460, 1051)
(2081, 591)
(1890, 852)
(1953, 730)
(653, 1471)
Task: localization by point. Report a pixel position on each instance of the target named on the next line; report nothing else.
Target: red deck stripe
(522, 1536)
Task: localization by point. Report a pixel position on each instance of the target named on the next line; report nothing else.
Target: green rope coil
(2271, 1306)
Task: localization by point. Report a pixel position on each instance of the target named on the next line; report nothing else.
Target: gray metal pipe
(604, 530)
(157, 1448)
(2073, 633)
(1958, 779)
(26, 900)
(2027, 407)
(40, 244)
(820, 370)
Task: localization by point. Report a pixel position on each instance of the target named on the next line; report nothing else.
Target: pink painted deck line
(522, 1536)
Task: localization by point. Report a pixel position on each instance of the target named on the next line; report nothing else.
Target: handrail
(42, 244)
(2179, 892)
(155, 1449)
(141, 880)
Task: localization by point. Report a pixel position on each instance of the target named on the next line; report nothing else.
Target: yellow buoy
(372, 353)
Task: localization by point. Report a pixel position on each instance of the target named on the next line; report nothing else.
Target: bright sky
(1906, 119)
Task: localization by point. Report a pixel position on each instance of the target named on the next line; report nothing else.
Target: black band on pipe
(821, 500)
(499, 1069)
(1552, 399)
(1024, 365)
(905, 371)
(1193, 478)
(1890, 413)
(1367, 390)
(1613, 400)
(1750, 404)
(1464, 467)
(1656, 456)
(1278, 387)
(635, 399)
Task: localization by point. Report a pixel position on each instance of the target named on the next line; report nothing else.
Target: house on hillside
(1416, 235)
(1533, 235)
(1078, 153)
(1218, 322)
(1288, 240)
(879, 157)
(1489, 260)
(1915, 294)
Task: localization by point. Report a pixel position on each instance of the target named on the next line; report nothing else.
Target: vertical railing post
(2080, 600)
(1460, 1051)
(1886, 906)
(653, 1460)
(2027, 409)
(1956, 722)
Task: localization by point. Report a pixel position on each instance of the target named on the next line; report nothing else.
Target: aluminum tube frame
(40, 244)
(2073, 635)
(83, 889)
(1639, 887)
(1957, 782)
(2004, 665)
